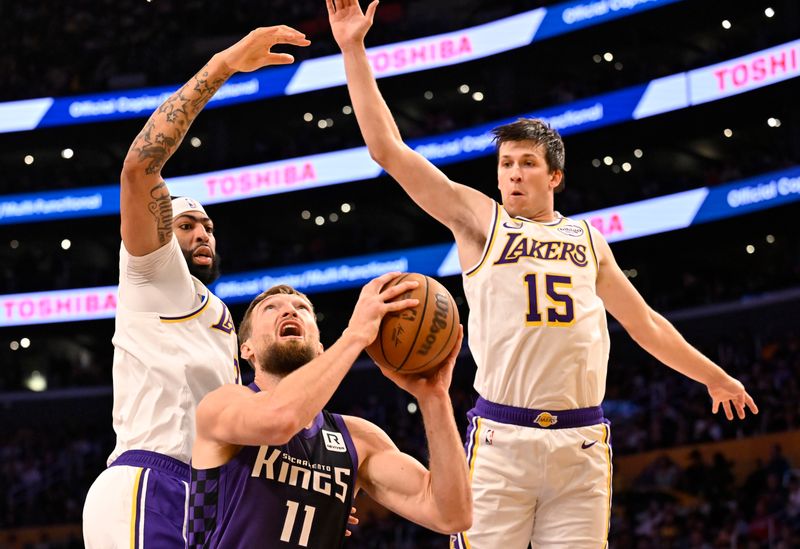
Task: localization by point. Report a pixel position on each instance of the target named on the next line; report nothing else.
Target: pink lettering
(720, 74)
(26, 308)
(210, 184)
(418, 55)
(778, 61)
(228, 185)
(44, 308)
(92, 303)
(111, 302)
(597, 223)
(63, 305)
(465, 46)
(308, 172)
(9, 308)
(759, 70)
(740, 75)
(447, 49)
(615, 225)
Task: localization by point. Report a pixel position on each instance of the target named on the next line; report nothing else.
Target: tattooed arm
(145, 206)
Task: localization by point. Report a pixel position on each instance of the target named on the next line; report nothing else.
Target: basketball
(417, 340)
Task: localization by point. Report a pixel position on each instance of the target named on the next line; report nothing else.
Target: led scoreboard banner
(670, 93)
(647, 217)
(316, 74)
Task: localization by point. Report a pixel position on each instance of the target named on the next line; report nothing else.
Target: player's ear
(320, 348)
(556, 176)
(245, 350)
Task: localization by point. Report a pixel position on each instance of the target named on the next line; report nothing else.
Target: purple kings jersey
(295, 495)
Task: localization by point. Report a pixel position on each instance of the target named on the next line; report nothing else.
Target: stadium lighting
(195, 141)
(319, 220)
(463, 88)
(608, 56)
(769, 12)
(28, 159)
(67, 153)
(750, 249)
(308, 117)
(305, 214)
(727, 132)
(608, 160)
(66, 244)
(626, 166)
(726, 24)
(347, 109)
(345, 208)
(638, 153)
(770, 239)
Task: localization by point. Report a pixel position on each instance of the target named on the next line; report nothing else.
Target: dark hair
(245, 328)
(538, 132)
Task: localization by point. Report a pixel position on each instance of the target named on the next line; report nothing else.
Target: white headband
(184, 204)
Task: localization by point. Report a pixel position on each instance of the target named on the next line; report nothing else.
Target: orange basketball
(418, 339)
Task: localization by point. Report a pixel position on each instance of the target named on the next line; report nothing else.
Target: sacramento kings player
(271, 469)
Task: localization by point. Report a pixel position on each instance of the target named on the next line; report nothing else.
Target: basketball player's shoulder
(367, 434)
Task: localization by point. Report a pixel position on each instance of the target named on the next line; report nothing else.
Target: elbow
(458, 520)
(384, 151)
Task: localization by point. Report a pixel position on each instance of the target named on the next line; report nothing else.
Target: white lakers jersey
(164, 365)
(537, 329)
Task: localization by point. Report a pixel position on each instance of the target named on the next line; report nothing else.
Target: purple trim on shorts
(348, 441)
(525, 417)
(153, 460)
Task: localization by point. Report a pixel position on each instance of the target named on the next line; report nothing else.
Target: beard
(204, 273)
(281, 358)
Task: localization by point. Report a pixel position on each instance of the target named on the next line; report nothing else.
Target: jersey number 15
(562, 312)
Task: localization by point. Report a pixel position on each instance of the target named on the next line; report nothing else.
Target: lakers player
(271, 469)
(174, 340)
(538, 286)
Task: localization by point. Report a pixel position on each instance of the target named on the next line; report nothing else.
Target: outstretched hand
(730, 393)
(375, 301)
(254, 50)
(348, 22)
(428, 384)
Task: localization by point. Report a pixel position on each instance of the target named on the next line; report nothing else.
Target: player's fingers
(371, 11)
(398, 289)
(715, 406)
(457, 347)
(298, 39)
(750, 403)
(330, 6)
(347, 533)
(280, 59)
(739, 405)
(726, 405)
(380, 281)
(401, 305)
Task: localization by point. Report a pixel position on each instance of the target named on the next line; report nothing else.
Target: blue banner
(315, 74)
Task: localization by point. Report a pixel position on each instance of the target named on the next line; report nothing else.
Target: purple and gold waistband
(153, 460)
(540, 419)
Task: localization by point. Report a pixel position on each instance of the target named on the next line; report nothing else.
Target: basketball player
(174, 340)
(538, 286)
(271, 469)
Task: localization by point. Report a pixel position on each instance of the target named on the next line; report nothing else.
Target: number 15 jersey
(537, 329)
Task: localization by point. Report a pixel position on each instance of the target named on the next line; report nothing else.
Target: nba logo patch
(489, 436)
(334, 441)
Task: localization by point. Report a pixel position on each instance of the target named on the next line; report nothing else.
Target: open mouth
(290, 329)
(202, 256)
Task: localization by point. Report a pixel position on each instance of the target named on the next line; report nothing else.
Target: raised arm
(465, 211)
(228, 416)
(656, 335)
(439, 498)
(145, 206)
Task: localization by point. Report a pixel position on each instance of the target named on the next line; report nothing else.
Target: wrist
(353, 47)
(218, 64)
(351, 336)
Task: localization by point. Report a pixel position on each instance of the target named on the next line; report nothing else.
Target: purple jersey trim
(154, 460)
(348, 440)
(525, 417)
